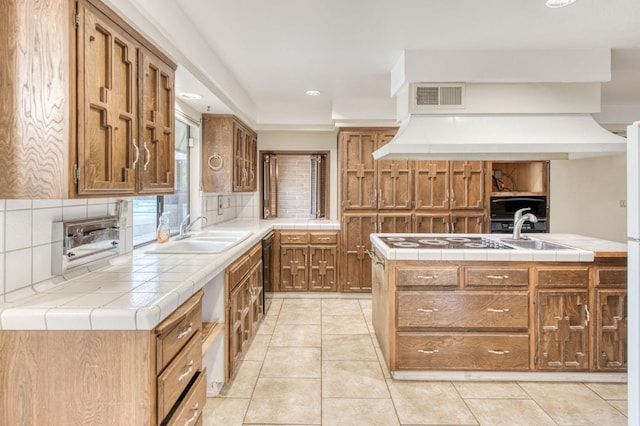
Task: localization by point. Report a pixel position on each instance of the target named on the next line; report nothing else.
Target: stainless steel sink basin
(206, 242)
(533, 244)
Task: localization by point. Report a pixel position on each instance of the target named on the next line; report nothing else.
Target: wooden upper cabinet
(467, 185)
(75, 95)
(432, 184)
(108, 151)
(230, 155)
(395, 180)
(358, 169)
(157, 124)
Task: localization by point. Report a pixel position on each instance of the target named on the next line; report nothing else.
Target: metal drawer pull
(428, 310)
(194, 417)
(293, 238)
(186, 332)
(491, 351)
(373, 257)
(133, 142)
(186, 373)
(586, 311)
(434, 351)
(428, 277)
(323, 238)
(498, 277)
(148, 156)
(499, 311)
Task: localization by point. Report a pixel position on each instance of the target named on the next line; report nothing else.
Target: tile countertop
(136, 291)
(586, 249)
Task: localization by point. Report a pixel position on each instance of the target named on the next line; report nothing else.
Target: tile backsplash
(26, 236)
(245, 205)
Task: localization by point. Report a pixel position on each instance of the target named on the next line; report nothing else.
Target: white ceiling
(277, 49)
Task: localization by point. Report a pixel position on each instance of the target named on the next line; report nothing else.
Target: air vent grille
(438, 96)
(427, 95)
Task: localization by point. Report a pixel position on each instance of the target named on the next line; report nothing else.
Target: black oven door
(505, 207)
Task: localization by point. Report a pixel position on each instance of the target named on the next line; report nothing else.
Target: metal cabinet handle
(323, 238)
(148, 156)
(294, 238)
(434, 351)
(586, 311)
(186, 332)
(428, 277)
(428, 310)
(495, 352)
(373, 257)
(133, 142)
(186, 373)
(446, 228)
(498, 277)
(194, 417)
(499, 311)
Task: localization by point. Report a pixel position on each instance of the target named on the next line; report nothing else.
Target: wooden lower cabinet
(355, 265)
(306, 260)
(463, 351)
(562, 329)
(244, 305)
(525, 316)
(99, 377)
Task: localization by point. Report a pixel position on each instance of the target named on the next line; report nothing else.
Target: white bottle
(164, 231)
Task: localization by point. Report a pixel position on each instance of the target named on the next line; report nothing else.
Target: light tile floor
(316, 361)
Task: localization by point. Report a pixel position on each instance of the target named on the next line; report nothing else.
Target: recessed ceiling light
(187, 95)
(559, 3)
(313, 93)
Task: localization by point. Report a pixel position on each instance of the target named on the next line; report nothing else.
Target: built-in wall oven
(502, 210)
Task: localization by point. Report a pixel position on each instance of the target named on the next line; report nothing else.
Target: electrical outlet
(220, 204)
(623, 204)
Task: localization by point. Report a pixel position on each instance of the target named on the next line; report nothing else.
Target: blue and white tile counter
(133, 292)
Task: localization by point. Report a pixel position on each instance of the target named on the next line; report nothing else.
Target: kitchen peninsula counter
(135, 291)
(489, 312)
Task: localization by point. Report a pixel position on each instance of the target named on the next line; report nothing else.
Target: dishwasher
(267, 268)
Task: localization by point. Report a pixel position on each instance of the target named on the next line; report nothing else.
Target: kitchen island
(473, 307)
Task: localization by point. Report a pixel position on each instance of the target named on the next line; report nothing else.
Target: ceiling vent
(427, 97)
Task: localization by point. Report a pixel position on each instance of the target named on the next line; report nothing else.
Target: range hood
(431, 130)
(500, 137)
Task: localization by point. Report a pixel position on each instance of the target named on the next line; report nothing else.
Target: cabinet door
(108, 152)
(257, 307)
(467, 185)
(432, 185)
(467, 223)
(562, 331)
(293, 272)
(251, 156)
(236, 329)
(157, 133)
(322, 268)
(355, 264)
(358, 170)
(431, 223)
(239, 165)
(611, 330)
(395, 186)
(394, 223)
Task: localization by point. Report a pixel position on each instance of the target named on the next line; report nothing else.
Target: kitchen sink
(206, 242)
(533, 244)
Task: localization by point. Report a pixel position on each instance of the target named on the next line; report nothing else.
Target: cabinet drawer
(238, 270)
(255, 254)
(485, 276)
(176, 330)
(611, 277)
(289, 237)
(468, 310)
(323, 238)
(437, 277)
(463, 351)
(189, 410)
(175, 378)
(563, 277)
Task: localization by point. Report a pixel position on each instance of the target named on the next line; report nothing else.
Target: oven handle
(505, 199)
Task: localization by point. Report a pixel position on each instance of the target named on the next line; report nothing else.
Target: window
(147, 210)
(294, 184)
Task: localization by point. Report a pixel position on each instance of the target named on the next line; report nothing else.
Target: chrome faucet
(519, 219)
(185, 226)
